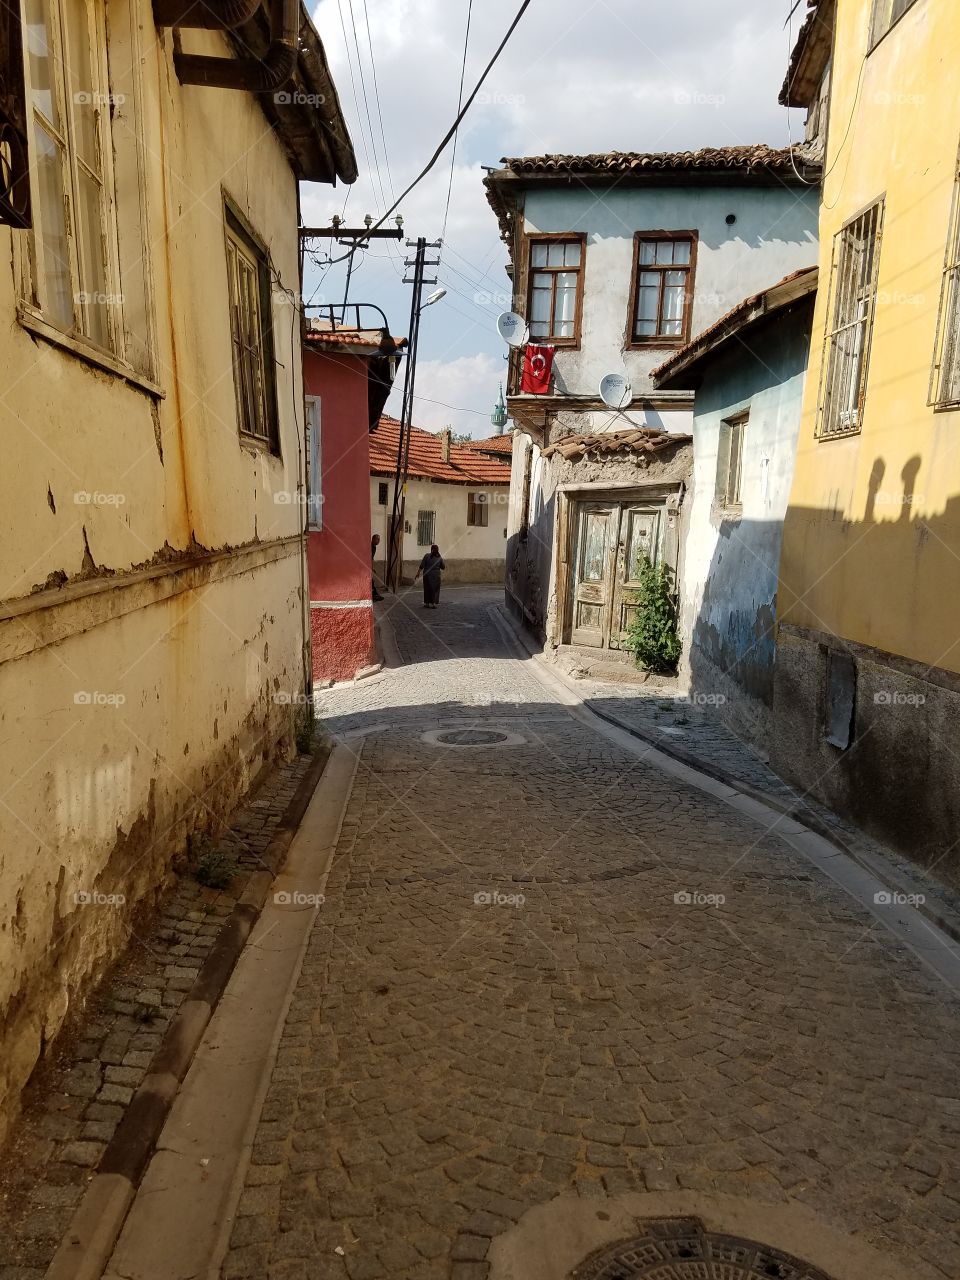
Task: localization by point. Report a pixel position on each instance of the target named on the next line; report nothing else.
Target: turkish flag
(537, 368)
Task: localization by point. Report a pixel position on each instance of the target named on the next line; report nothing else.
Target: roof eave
(810, 57)
(684, 371)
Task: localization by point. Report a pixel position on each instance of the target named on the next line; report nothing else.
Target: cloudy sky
(624, 75)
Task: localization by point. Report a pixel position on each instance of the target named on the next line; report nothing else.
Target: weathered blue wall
(730, 562)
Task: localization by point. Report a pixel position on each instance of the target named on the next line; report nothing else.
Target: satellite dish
(615, 391)
(512, 329)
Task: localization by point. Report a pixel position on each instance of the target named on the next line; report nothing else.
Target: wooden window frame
(477, 503)
(557, 237)
(736, 425)
(842, 290)
(314, 421)
(876, 34)
(241, 241)
(433, 527)
(658, 340)
(947, 344)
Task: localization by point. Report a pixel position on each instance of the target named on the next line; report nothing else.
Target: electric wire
(453, 152)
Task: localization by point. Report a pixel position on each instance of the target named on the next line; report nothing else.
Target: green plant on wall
(652, 636)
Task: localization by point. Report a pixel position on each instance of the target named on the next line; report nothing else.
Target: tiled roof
(814, 36)
(749, 159)
(642, 440)
(799, 284)
(318, 336)
(501, 445)
(467, 464)
(756, 163)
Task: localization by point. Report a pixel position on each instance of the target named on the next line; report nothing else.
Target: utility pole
(419, 263)
(354, 237)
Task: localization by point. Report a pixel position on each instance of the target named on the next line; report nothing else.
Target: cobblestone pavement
(76, 1099)
(504, 998)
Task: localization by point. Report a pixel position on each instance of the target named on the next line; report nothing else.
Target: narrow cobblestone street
(543, 967)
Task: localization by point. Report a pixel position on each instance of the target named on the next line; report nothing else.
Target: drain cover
(472, 737)
(681, 1249)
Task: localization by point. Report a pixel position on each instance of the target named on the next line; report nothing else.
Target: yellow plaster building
(151, 558)
(867, 694)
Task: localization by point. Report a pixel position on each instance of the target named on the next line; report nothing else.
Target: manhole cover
(471, 737)
(681, 1249)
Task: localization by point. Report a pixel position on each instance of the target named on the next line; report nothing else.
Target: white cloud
(466, 381)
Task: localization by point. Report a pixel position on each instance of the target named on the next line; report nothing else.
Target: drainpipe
(256, 75)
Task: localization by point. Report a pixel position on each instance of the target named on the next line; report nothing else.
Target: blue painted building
(747, 374)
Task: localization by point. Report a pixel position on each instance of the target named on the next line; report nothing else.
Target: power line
(366, 105)
(376, 95)
(453, 153)
(456, 124)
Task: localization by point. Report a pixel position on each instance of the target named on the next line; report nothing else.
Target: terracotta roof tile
(642, 440)
(745, 158)
(493, 444)
(467, 465)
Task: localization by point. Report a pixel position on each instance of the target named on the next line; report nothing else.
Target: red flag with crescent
(537, 370)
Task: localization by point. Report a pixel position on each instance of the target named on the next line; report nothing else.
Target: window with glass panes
(945, 385)
(252, 334)
(886, 13)
(555, 282)
(664, 278)
(74, 223)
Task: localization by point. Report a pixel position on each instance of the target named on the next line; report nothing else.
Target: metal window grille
(945, 380)
(477, 510)
(426, 525)
(382, 493)
(846, 356)
(314, 465)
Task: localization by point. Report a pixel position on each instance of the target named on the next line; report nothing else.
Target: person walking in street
(374, 543)
(431, 566)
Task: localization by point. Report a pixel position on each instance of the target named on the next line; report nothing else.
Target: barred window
(477, 510)
(945, 383)
(426, 526)
(382, 492)
(846, 356)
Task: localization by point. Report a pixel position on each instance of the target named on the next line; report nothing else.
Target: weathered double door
(610, 540)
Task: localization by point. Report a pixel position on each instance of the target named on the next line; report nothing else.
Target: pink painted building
(347, 375)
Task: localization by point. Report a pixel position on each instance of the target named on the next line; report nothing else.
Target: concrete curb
(93, 1231)
(892, 876)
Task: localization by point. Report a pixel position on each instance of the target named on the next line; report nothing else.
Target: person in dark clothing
(374, 543)
(431, 566)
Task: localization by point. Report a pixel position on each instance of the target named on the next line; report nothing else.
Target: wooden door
(593, 566)
(640, 534)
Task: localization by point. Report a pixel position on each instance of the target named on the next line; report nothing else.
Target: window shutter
(14, 165)
(723, 462)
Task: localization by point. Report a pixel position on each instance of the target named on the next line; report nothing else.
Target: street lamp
(434, 297)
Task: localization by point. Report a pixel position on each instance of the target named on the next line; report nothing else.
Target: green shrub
(305, 728)
(652, 636)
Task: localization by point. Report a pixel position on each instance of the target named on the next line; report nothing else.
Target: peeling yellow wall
(134, 709)
(871, 547)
